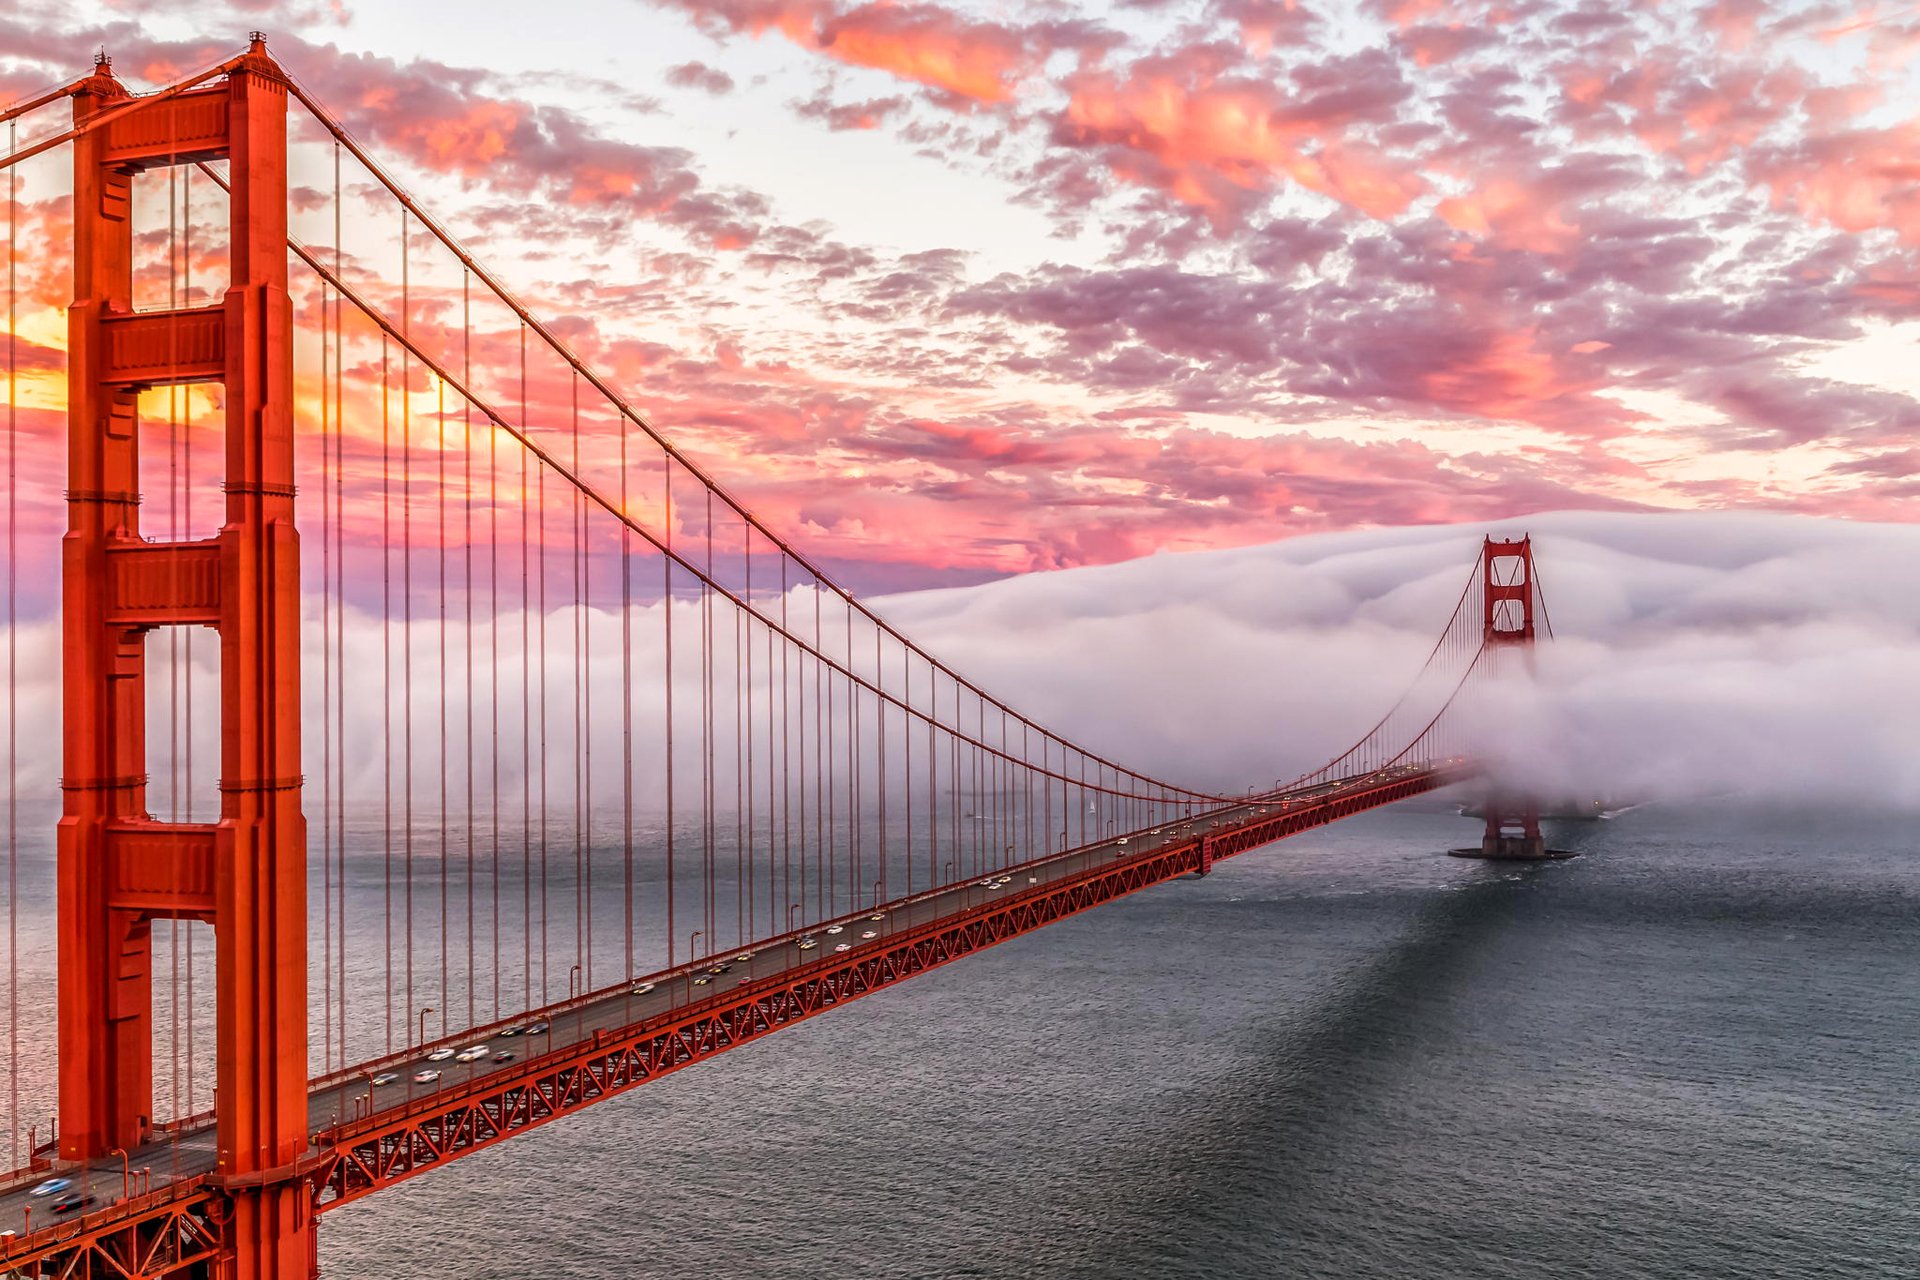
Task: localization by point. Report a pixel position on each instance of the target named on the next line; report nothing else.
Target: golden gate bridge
(572, 697)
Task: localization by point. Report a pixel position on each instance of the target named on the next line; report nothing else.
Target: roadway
(187, 1155)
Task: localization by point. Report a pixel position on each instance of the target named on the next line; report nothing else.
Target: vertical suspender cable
(406, 601)
(540, 565)
(386, 669)
(582, 906)
(666, 666)
(626, 707)
(526, 712)
(186, 518)
(339, 712)
(175, 491)
(493, 672)
(326, 690)
(466, 585)
(443, 765)
(13, 661)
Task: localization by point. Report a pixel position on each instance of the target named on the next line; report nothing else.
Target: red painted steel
(119, 870)
(1513, 821)
(179, 1230)
(362, 1156)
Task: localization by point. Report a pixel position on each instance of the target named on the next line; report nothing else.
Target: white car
(425, 1077)
(439, 1055)
(844, 946)
(1121, 840)
(868, 935)
(1033, 879)
(386, 1077)
(640, 989)
(836, 928)
(807, 944)
(51, 1186)
(472, 1053)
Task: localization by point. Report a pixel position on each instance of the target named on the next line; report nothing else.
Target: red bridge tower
(1506, 570)
(119, 870)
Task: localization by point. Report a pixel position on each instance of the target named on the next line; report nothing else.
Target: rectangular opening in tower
(183, 724)
(181, 239)
(184, 1065)
(182, 461)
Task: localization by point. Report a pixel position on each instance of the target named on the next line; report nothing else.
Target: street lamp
(126, 1172)
(791, 908)
(573, 975)
(697, 933)
(877, 886)
(422, 1037)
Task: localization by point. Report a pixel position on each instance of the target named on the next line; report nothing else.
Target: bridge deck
(603, 1043)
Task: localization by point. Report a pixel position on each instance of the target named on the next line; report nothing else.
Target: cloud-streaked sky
(951, 291)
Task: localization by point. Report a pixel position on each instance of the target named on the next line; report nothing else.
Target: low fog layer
(1693, 653)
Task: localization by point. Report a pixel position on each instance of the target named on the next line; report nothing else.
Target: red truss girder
(184, 1225)
(147, 1237)
(359, 1157)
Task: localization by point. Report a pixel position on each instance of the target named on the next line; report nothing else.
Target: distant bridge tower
(1506, 570)
(119, 870)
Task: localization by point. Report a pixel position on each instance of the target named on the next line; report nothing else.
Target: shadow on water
(1274, 1130)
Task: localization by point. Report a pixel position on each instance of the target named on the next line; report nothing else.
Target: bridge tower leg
(118, 868)
(1506, 570)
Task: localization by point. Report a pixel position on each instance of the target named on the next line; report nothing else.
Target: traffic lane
(190, 1154)
(682, 987)
(107, 1181)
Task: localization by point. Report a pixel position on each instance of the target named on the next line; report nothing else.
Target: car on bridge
(427, 1076)
(473, 1053)
(71, 1199)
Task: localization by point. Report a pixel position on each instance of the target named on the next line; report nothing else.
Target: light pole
(422, 1037)
(126, 1172)
(791, 908)
(877, 886)
(573, 975)
(697, 933)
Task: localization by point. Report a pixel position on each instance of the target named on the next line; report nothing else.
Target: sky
(951, 292)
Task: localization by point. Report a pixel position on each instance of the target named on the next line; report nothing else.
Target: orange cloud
(969, 61)
(1516, 214)
(1206, 141)
(977, 61)
(1861, 180)
(469, 144)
